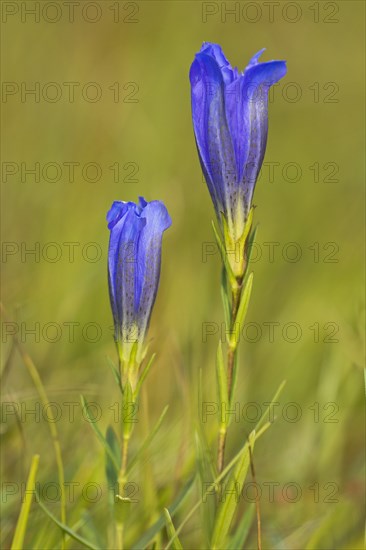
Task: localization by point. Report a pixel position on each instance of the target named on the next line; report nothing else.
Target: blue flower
(230, 120)
(134, 259)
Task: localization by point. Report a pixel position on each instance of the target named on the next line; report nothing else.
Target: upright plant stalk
(128, 373)
(230, 122)
(231, 360)
(232, 349)
(134, 259)
(130, 382)
(236, 289)
(125, 437)
(126, 430)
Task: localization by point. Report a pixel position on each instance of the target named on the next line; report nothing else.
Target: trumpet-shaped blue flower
(134, 260)
(230, 120)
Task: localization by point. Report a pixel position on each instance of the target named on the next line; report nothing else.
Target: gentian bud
(134, 260)
(230, 121)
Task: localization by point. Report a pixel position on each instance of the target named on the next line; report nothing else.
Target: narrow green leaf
(247, 228)
(222, 383)
(264, 415)
(205, 453)
(148, 536)
(90, 529)
(127, 393)
(67, 529)
(207, 472)
(134, 352)
(112, 466)
(115, 373)
(143, 375)
(231, 496)
(147, 441)
(175, 542)
(128, 400)
(233, 384)
(220, 477)
(225, 298)
(206, 463)
(240, 536)
(224, 257)
(251, 241)
(243, 308)
(21, 527)
(97, 431)
(199, 392)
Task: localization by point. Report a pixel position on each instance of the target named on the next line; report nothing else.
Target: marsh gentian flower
(134, 259)
(230, 120)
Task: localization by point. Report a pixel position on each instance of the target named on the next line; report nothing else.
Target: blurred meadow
(110, 120)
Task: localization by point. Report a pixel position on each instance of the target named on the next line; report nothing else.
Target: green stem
(25, 508)
(235, 301)
(122, 474)
(119, 534)
(231, 357)
(121, 483)
(127, 374)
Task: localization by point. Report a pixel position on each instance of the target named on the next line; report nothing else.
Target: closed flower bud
(230, 121)
(134, 259)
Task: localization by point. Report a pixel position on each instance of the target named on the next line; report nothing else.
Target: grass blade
(207, 472)
(143, 375)
(110, 465)
(242, 311)
(226, 511)
(51, 422)
(264, 415)
(94, 426)
(251, 242)
(67, 529)
(239, 538)
(21, 527)
(224, 257)
(222, 382)
(176, 544)
(147, 441)
(146, 539)
(225, 297)
(115, 373)
(225, 471)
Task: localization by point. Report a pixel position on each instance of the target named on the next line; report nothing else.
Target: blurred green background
(315, 199)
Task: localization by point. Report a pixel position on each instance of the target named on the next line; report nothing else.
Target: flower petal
(211, 130)
(247, 115)
(254, 59)
(116, 212)
(230, 120)
(215, 51)
(157, 220)
(122, 270)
